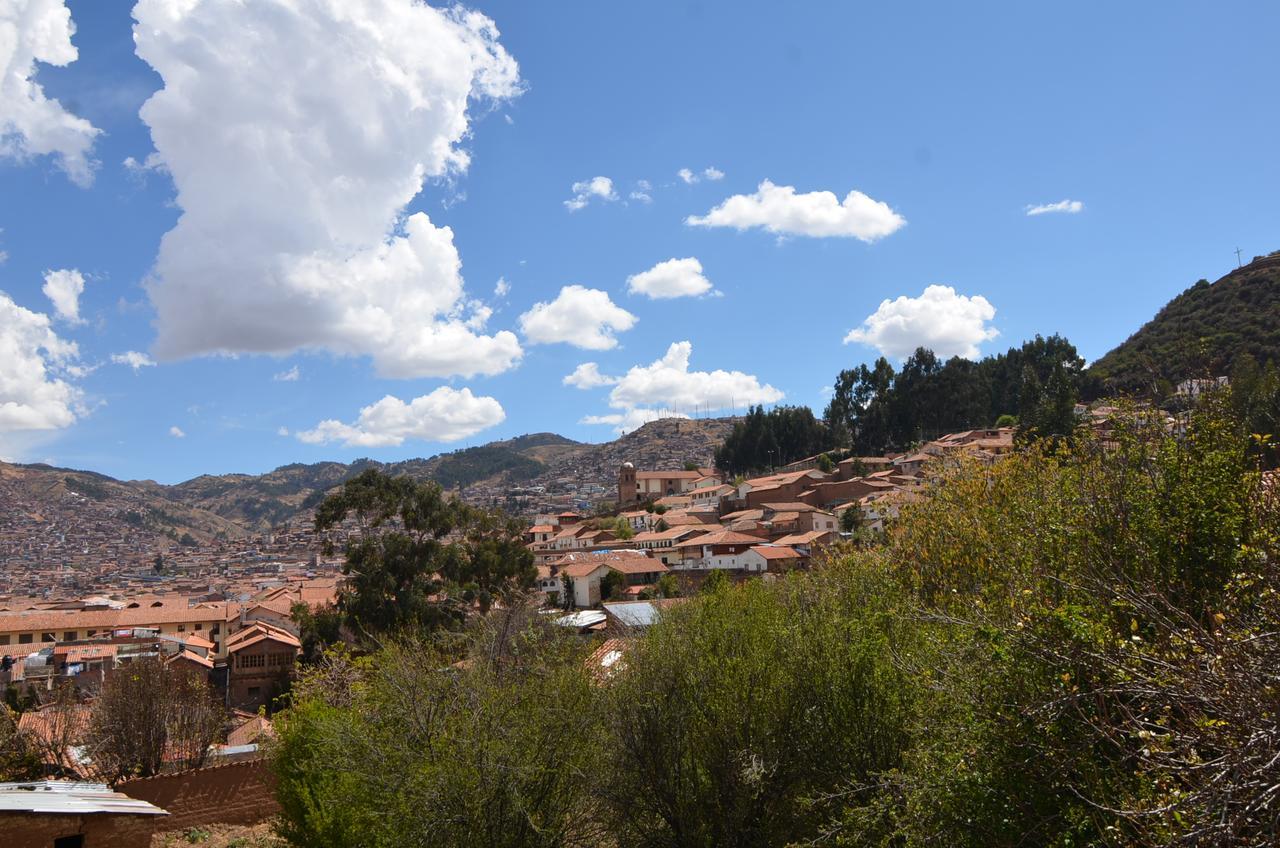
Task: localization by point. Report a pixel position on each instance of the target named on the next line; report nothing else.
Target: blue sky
(1157, 120)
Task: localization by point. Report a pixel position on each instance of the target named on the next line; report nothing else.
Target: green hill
(1201, 332)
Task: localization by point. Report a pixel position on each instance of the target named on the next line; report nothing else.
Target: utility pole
(1239, 262)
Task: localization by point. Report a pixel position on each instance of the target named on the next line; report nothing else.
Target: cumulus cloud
(585, 191)
(689, 177)
(642, 192)
(664, 387)
(502, 288)
(177, 432)
(579, 316)
(444, 415)
(588, 376)
(63, 288)
(289, 376)
(632, 419)
(31, 124)
(947, 323)
(296, 134)
(818, 214)
(672, 278)
(134, 359)
(1068, 207)
(35, 367)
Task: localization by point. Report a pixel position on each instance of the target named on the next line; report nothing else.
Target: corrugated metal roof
(634, 614)
(64, 797)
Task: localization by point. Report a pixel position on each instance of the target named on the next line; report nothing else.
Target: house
(582, 573)
(808, 543)
(71, 814)
(721, 550)
(772, 558)
(639, 486)
(261, 659)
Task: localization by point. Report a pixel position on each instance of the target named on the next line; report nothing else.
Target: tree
(612, 585)
(414, 552)
(742, 715)
(318, 629)
(495, 752)
(153, 715)
(764, 440)
(825, 463)
(19, 759)
(716, 581)
(851, 519)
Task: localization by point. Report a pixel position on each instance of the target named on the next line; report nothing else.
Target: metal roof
(65, 797)
(634, 614)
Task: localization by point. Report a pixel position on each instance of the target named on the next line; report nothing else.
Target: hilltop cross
(1239, 262)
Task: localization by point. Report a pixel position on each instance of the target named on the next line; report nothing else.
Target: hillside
(83, 508)
(1201, 332)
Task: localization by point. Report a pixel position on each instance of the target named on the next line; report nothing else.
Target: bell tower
(627, 484)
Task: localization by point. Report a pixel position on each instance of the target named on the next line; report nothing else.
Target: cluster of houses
(693, 521)
(247, 650)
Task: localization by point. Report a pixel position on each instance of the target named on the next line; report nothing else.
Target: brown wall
(236, 793)
(28, 830)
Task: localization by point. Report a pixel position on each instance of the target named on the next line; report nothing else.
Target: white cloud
(689, 177)
(668, 384)
(177, 432)
(296, 134)
(583, 192)
(31, 124)
(588, 376)
(818, 214)
(632, 419)
(444, 415)
(133, 359)
(289, 376)
(672, 278)
(282, 431)
(1069, 207)
(63, 288)
(947, 323)
(34, 366)
(502, 288)
(579, 316)
(642, 192)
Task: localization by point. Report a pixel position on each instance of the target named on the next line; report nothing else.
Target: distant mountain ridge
(1201, 332)
(234, 506)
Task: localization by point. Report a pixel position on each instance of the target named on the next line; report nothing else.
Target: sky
(239, 235)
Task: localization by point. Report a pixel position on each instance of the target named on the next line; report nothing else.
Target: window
(4, 640)
(255, 692)
(70, 636)
(74, 841)
(47, 637)
(24, 638)
(199, 625)
(92, 633)
(251, 661)
(214, 630)
(182, 628)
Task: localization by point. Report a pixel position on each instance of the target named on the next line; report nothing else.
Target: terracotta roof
(62, 620)
(804, 538)
(669, 475)
(258, 632)
(188, 656)
(726, 537)
(776, 552)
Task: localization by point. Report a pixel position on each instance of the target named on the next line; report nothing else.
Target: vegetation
(1202, 332)
(1074, 646)
(764, 440)
(152, 715)
(419, 559)
(879, 408)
